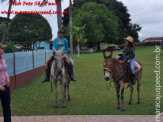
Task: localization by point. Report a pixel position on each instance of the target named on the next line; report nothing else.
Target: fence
(23, 61)
(24, 66)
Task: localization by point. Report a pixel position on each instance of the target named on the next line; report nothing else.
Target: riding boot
(133, 80)
(47, 76)
(71, 72)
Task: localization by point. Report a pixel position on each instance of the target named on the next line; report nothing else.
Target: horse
(117, 71)
(59, 72)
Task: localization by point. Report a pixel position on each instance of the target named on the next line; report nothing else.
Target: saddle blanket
(137, 66)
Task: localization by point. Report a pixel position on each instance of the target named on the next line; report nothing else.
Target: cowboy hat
(130, 39)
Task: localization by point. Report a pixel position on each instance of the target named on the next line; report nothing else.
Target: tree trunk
(7, 22)
(78, 48)
(59, 16)
(71, 29)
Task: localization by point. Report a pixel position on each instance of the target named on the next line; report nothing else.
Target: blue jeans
(71, 69)
(132, 65)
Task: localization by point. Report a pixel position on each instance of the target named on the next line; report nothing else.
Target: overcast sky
(147, 13)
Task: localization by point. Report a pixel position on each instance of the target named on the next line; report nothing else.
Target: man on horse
(58, 43)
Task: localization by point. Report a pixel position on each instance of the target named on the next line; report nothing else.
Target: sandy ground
(86, 118)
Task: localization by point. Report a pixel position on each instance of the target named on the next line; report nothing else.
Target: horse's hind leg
(65, 89)
(68, 89)
(63, 95)
(56, 95)
(117, 87)
(138, 90)
(131, 94)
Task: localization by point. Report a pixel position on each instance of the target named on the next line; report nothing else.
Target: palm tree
(78, 35)
(59, 21)
(71, 29)
(59, 16)
(7, 22)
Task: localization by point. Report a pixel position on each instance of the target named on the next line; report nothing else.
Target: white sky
(147, 13)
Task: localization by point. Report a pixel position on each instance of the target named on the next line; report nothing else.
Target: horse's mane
(115, 60)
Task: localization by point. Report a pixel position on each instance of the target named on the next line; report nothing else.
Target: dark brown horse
(117, 71)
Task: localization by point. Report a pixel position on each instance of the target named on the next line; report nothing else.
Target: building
(154, 39)
(43, 45)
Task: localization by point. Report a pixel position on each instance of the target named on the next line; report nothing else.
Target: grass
(89, 94)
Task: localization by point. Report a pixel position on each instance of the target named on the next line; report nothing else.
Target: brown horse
(116, 70)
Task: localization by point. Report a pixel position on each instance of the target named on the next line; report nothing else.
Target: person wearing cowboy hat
(129, 56)
(4, 87)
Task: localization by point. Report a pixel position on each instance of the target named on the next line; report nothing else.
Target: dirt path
(85, 118)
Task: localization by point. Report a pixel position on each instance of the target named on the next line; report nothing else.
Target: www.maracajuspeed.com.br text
(50, 12)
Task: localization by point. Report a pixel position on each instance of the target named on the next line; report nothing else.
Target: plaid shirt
(128, 53)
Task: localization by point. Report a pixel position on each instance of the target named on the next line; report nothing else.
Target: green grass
(89, 94)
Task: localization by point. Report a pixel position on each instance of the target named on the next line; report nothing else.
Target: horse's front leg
(117, 87)
(56, 94)
(131, 94)
(122, 96)
(63, 95)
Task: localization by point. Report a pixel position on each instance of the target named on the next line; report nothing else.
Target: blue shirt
(56, 45)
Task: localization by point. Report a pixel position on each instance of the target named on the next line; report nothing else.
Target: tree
(26, 29)
(59, 16)
(100, 24)
(71, 29)
(2, 27)
(78, 35)
(7, 22)
(133, 31)
(118, 10)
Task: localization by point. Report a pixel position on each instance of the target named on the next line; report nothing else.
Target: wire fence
(24, 61)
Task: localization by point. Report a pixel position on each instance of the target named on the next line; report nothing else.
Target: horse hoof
(118, 107)
(138, 102)
(123, 110)
(55, 106)
(69, 99)
(63, 106)
(130, 103)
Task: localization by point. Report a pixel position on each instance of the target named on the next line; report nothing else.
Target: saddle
(51, 61)
(126, 66)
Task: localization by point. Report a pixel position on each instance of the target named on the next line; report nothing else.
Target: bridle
(109, 70)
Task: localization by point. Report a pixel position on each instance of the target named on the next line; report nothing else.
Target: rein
(112, 78)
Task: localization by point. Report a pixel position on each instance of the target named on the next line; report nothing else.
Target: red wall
(21, 79)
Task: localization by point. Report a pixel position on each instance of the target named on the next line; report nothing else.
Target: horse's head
(58, 60)
(108, 66)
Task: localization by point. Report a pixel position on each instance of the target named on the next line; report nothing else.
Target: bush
(9, 47)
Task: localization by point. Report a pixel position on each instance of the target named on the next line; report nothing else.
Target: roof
(50, 42)
(153, 38)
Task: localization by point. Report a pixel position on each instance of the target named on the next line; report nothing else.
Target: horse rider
(129, 56)
(58, 43)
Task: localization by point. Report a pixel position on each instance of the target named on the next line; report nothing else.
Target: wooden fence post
(33, 59)
(45, 56)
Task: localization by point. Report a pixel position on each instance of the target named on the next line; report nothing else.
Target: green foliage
(9, 47)
(133, 31)
(119, 10)
(26, 29)
(100, 23)
(78, 33)
(2, 27)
